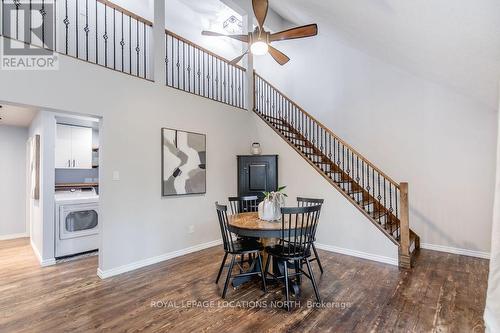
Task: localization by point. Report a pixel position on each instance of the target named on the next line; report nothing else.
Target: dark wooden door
(256, 174)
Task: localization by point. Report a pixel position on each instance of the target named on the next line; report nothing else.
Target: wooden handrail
(126, 12)
(396, 184)
(187, 41)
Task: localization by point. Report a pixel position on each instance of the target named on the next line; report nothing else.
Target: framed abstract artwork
(184, 156)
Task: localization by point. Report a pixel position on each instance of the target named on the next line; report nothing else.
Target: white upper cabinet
(73, 147)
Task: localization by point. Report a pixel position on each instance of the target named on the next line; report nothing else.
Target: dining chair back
(243, 204)
(298, 228)
(306, 202)
(234, 247)
(228, 238)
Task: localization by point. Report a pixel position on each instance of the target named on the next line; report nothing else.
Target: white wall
(42, 210)
(492, 310)
(13, 181)
(137, 223)
(439, 141)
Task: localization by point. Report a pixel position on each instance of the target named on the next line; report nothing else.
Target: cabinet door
(257, 174)
(81, 147)
(63, 147)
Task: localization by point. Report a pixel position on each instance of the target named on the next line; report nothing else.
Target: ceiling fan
(260, 40)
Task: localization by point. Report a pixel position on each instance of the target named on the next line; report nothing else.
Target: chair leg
(286, 286)
(262, 272)
(233, 259)
(317, 258)
(221, 268)
(266, 269)
(242, 259)
(313, 280)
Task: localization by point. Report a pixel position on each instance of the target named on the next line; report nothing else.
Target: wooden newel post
(404, 248)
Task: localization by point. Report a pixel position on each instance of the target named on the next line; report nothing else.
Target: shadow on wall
(442, 233)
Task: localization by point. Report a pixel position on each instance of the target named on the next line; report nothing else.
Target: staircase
(383, 201)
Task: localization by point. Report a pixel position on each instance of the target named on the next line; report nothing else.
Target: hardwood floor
(443, 293)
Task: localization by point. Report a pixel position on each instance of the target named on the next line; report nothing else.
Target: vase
(256, 150)
(269, 210)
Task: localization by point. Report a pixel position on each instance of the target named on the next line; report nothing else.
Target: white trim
(358, 254)
(455, 250)
(14, 236)
(43, 262)
(154, 260)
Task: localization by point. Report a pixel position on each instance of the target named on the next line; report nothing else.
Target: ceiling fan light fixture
(259, 48)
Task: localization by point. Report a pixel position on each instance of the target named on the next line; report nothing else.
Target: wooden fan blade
(238, 59)
(300, 32)
(242, 38)
(260, 8)
(279, 56)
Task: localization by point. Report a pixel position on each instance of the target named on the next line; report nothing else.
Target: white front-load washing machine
(76, 221)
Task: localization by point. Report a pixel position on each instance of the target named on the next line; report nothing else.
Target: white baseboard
(358, 254)
(43, 262)
(455, 250)
(154, 260)
(13, 236)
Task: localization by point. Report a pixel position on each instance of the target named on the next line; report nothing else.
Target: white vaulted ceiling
(452, 42)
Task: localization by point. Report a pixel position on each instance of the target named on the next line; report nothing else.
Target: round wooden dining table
(249, 225)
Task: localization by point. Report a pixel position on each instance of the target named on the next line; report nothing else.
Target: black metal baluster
(178, 64)
(55, 25)
(96, 34)
(114, 38)
(43, 13)
(385, 202)
(65, 21)
(17, 3)
(216, 79)
(105, 36)
(199, 73)
(122, 44)
(183, 66)
(379, 197)
(76, 29)
(203, 73)
(189, 68)
(86, 30)
(137, 48)
(357, 173)
(130, 45)
(145, 51)
(172, 62)
(166, 59)
(373, 185)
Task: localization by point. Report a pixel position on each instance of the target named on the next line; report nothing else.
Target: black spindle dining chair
(305, 202)
(298, 225)
(234, 247)
(243, 204)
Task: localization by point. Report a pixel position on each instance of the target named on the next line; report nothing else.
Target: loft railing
(196, 70)
(341, 162)
(96, 31)
(103, 33)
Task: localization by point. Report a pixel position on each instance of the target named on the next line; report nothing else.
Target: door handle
(69, 163)
(73, 163)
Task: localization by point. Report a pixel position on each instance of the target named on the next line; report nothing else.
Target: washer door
(78, 221)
